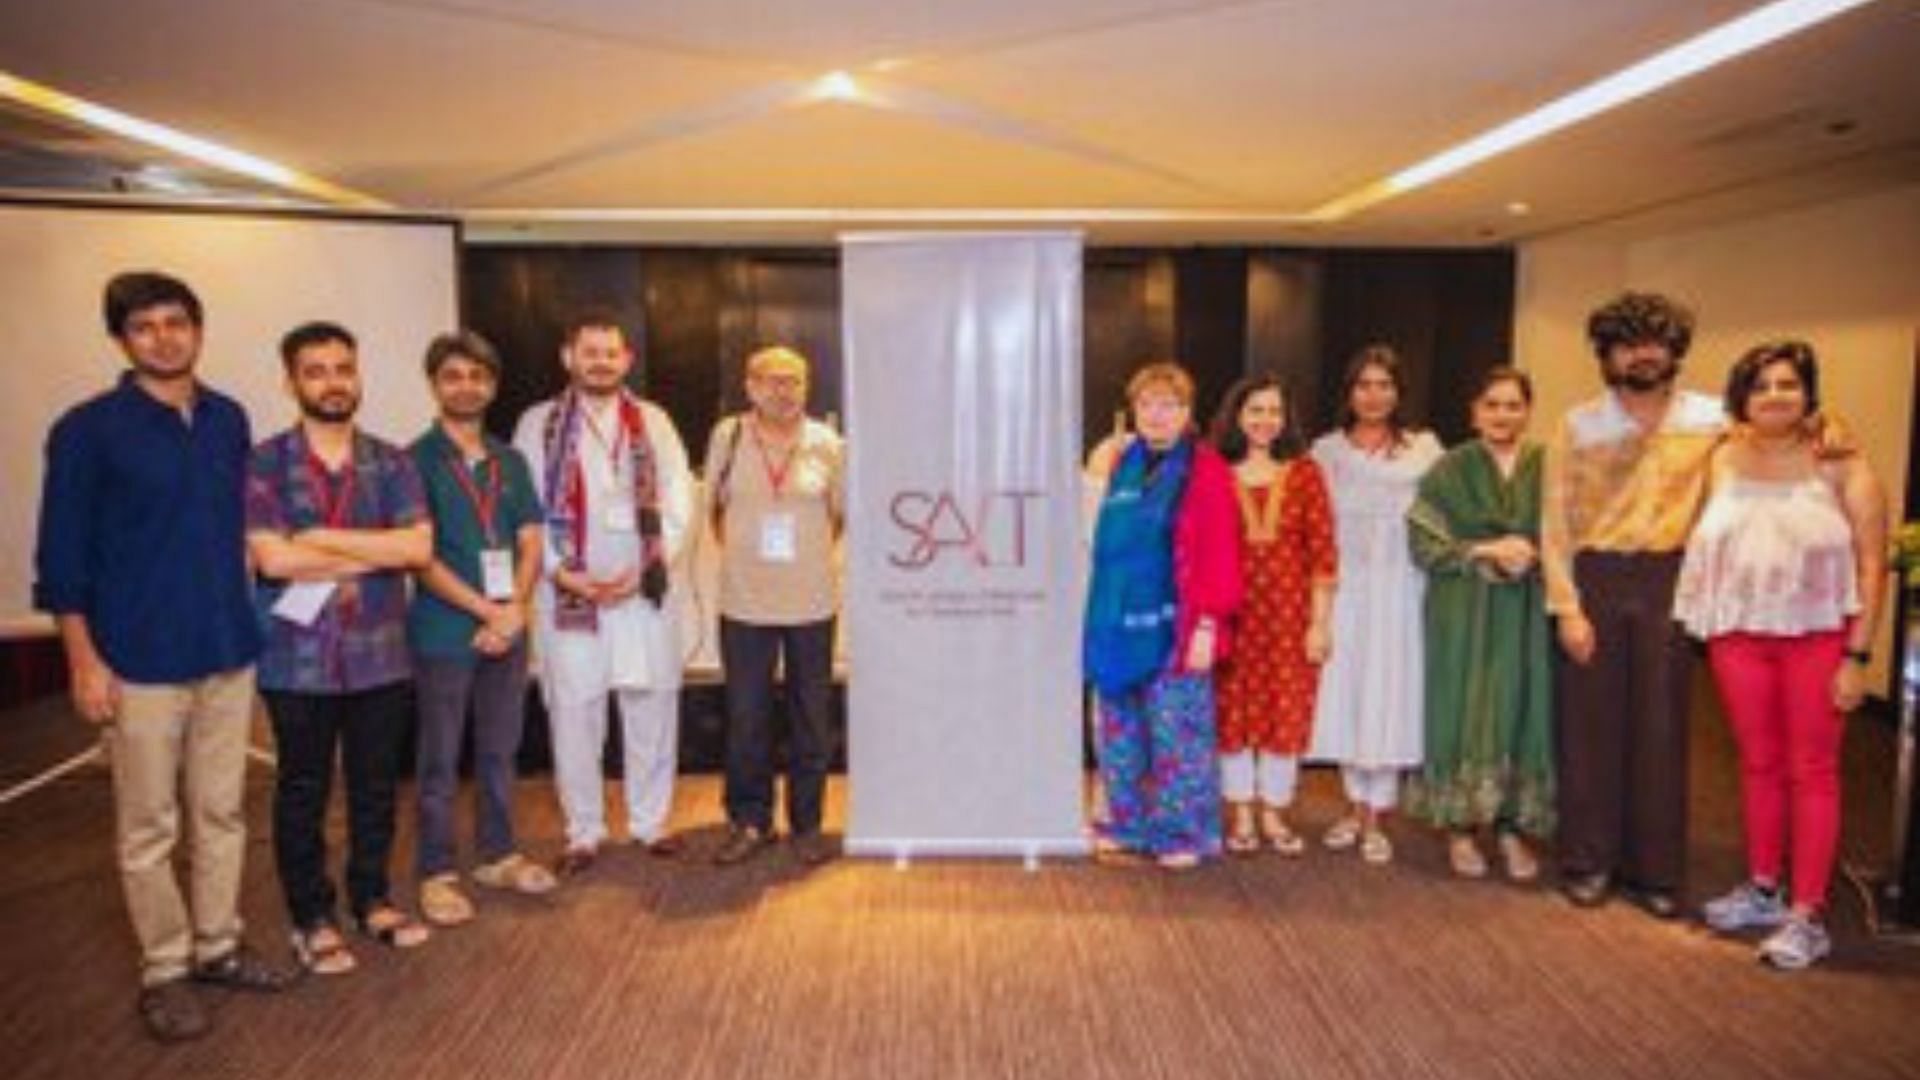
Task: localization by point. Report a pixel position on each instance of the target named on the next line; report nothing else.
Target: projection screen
(393, 282)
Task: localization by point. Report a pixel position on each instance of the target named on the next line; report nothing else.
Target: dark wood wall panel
(1379, 298)
(786, 299)
(1449, 314)
(522, 298)
(1283, 322)
(1210, 322)
(697, 313)
(1127, 319)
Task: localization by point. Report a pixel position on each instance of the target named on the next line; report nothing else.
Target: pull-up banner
(965, 570)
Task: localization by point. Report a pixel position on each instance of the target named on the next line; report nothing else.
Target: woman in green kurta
(1475, 529)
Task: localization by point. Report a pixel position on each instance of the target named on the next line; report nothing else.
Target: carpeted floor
(1257, 968)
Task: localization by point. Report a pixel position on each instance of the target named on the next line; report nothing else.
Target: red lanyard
(776, 477)
(484, 500)
(334, 504)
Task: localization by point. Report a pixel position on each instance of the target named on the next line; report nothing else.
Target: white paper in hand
(303, 601)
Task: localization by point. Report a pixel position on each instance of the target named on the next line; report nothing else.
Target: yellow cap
(777, 360)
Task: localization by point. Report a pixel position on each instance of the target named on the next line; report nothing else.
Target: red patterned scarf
(567, 510)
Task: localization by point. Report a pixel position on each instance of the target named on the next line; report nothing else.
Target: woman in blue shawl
(1166, 583)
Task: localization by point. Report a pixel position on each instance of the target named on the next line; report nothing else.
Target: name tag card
(779, 538)
(496, 573)
(303, 601)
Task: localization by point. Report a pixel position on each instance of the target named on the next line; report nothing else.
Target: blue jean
(496, 690)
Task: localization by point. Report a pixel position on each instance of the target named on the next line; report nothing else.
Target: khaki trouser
(171, 746)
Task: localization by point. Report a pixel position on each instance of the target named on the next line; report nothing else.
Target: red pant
(1778, 693)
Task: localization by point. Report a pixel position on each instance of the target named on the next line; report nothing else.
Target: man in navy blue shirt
(142, 562)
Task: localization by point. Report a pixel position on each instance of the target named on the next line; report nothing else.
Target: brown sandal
(321, 950)
(392, 927)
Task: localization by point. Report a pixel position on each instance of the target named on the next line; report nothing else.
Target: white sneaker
(1800, 942)
(1746, 906)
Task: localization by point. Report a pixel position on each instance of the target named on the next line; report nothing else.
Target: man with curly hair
(1626, 472)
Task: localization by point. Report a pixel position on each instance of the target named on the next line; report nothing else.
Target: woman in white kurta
(633, 652)
(1371, 691)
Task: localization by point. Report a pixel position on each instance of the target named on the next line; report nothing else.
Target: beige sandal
(1342, 834)
(516, 873)
(442, 903)
(393, 927)
(1375, 848)
(1522, 864)
(1242, 838)
(1465, 856)
(1280, 836)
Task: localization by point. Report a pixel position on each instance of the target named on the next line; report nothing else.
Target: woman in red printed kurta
(1267, 690)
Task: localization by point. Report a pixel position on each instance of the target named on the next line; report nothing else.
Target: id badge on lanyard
(496, 561)
(496, 573)
(779, 537)
(779, 531)
(303, 601)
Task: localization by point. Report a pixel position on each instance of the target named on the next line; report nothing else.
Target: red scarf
(566, 498)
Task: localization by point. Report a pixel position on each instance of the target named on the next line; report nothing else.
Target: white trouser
(650, 734)
(1376, 787)
(1248, 773)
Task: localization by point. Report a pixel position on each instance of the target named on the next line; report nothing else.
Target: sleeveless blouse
(1769, 557)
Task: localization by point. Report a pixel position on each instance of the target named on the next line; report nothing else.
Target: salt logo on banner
(931, 524)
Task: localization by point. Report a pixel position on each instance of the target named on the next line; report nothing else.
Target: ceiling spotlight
(1519, 209)
(836, 86)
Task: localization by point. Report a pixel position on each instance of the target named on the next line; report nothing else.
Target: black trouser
(748, 652)
(365, 728)
(1623, 726)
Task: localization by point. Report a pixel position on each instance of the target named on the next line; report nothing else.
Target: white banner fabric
(965, 565)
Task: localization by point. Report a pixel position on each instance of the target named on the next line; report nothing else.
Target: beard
(601, 382)
(331, 409)
(1643, 378)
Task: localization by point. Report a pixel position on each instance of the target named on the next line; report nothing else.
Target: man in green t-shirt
(468, 627)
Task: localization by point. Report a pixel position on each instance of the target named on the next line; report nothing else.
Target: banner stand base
(903, 851)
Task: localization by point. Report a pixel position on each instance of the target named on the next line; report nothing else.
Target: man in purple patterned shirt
(335, 520)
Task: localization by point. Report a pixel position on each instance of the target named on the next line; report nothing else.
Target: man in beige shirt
(1626, 473)
(774, 491)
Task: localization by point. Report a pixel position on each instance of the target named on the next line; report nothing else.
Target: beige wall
(1843, 275)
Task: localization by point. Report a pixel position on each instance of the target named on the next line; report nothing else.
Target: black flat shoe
(244, 969)
(1587, 890)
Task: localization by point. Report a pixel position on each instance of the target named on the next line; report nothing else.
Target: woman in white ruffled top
(1782, 579)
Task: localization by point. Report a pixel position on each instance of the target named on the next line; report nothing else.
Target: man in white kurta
(631, 650)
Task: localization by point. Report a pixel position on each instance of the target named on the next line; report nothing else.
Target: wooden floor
(1257, 968)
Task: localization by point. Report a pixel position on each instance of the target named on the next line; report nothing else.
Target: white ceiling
(1149, 120)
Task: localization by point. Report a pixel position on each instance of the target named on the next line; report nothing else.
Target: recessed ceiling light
(1519, 209)
(836, 86)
